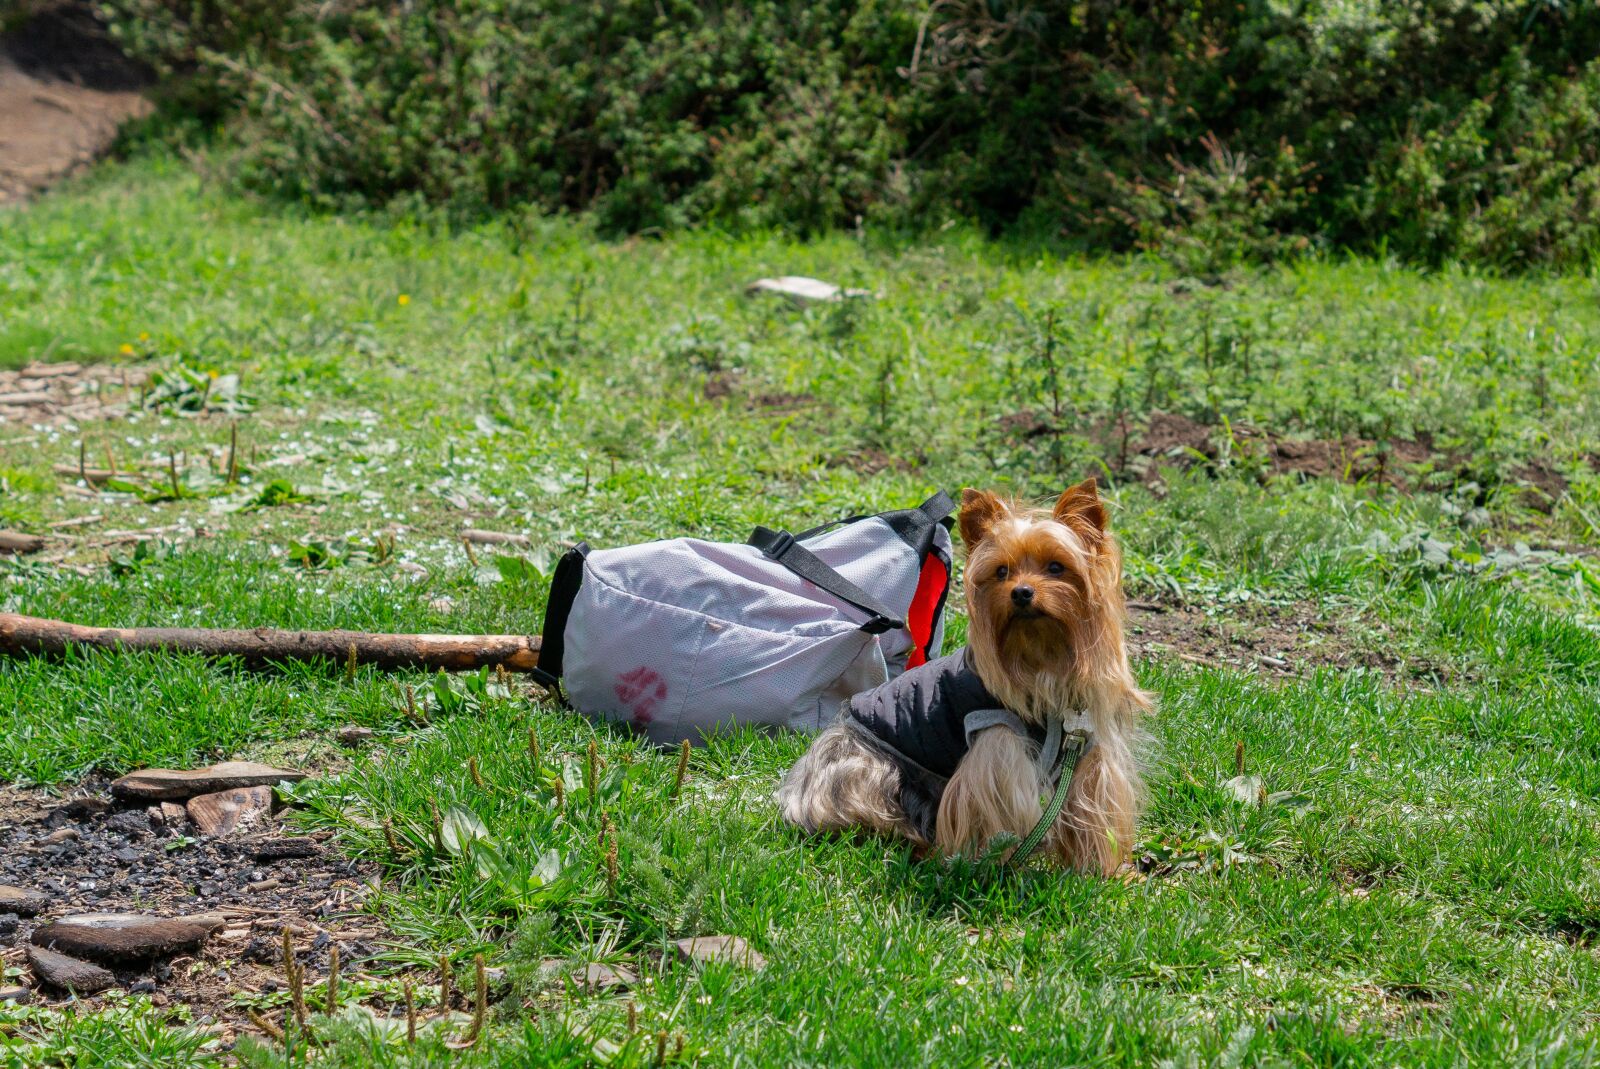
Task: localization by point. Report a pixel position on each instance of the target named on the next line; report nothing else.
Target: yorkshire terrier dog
(947, 755)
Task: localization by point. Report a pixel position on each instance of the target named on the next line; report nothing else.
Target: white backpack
(684, 637)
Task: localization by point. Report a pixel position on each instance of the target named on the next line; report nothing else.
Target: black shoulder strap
(782, 547)
(564, 586)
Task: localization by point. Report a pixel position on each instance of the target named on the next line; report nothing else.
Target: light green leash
(1072, 748)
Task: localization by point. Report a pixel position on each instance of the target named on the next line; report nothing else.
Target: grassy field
(1419, 889)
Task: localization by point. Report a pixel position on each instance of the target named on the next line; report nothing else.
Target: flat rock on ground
(66, 973)
(167, 784)
(115, 937)
(720, 948)
(21, 901)
(226, 811)
(802, 289)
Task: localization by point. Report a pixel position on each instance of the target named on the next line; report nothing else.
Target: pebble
(353, 735)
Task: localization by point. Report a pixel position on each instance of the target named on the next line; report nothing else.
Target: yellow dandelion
(403, 300)
(213, 373)
(144, 335)
(126, 350)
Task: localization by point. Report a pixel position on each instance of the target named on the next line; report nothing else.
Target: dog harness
(926, 718)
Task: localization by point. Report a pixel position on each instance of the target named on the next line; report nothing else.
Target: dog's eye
(1001, 572)
(1055, 567)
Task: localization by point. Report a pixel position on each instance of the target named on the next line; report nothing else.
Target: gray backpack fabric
(683, 637)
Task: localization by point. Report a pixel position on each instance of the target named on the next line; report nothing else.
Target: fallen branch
(22, 636)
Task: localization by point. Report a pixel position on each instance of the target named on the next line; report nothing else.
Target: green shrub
(1209, 130)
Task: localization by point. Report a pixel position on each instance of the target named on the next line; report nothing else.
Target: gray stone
(803, 290)
(731, 949)
(598, 976)
(21, 901)
(354, 736)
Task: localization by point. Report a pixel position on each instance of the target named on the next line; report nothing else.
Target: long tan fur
(1052, 650)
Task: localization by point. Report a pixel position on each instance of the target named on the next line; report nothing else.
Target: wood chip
(222, 812)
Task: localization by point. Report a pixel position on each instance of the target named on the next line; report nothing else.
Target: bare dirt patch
(1170, 438)
(1277, 641)
(87, 853)
(65, 90)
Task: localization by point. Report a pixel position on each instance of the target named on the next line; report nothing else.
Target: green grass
(1420, 890)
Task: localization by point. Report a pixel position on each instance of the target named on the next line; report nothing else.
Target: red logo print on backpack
(641, 691)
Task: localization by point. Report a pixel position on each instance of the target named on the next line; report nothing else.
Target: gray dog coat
(925, 720)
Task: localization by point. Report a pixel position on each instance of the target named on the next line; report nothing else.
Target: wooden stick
(260, 647)
(17, 542)
(493, 538)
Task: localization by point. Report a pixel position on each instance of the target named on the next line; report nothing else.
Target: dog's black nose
(1022, 595)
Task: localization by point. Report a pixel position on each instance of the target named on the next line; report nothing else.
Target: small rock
(127, 856)
(64, 835)
(67, 973)
(130, 822)
(126, 936)
(166, 784)
(802, 289)
(15, 994)
(279, 849)
(353, 735)
(598, 976)
(221, 813)
(8, 923)
(720, 948)
(83, 808)
(263, 885)
(443, 605)
(142, 987)
(22, 902)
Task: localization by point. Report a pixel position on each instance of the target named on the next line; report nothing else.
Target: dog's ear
(1081, 509)
(980, 511)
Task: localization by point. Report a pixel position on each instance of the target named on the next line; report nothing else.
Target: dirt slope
(64, 91)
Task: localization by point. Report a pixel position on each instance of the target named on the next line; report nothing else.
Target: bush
(1209, 129)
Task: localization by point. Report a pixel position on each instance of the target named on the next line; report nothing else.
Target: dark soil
(1280, 641)
(88, 854)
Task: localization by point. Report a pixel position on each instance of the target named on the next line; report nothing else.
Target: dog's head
(1043, 589)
